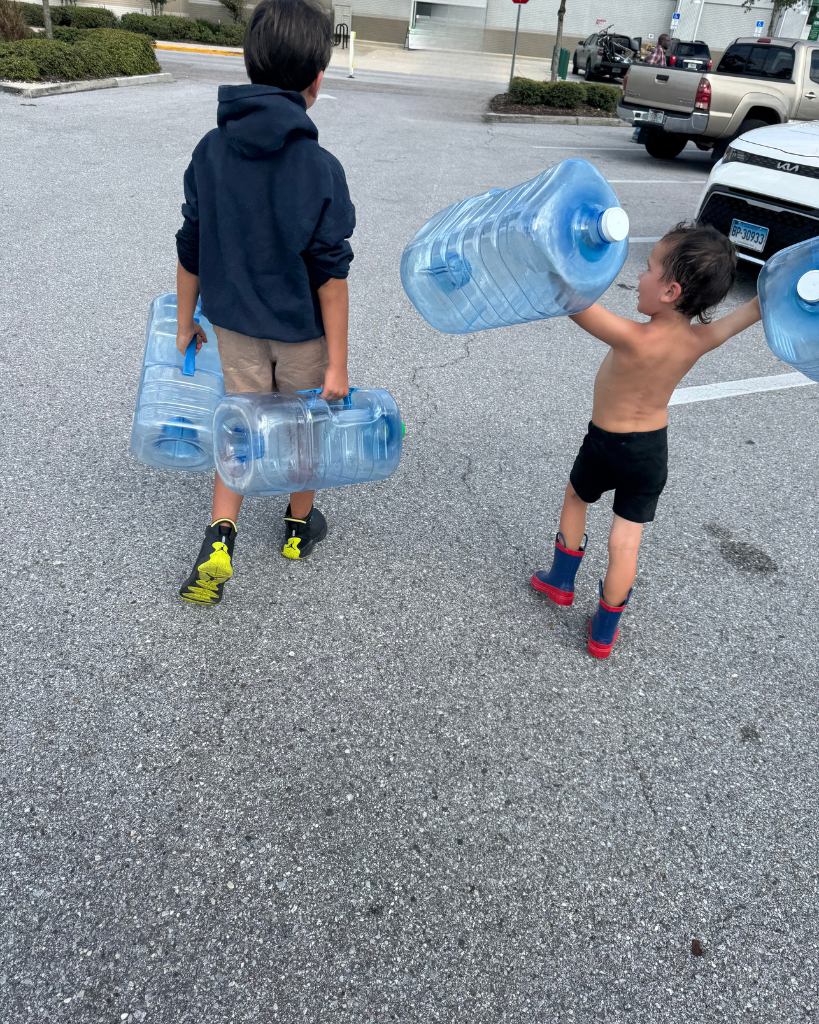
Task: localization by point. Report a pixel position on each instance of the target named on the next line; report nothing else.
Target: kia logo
(793, 168)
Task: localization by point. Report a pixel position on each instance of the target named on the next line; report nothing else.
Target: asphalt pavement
(388, 784)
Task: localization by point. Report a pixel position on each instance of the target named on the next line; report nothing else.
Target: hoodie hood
(257, 120)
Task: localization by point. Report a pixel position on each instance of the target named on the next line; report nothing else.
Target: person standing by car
(657, 55)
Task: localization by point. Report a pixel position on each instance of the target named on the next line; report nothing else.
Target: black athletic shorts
(634, 466)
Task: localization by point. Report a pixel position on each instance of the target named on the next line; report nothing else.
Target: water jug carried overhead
(788, 288)
(278, 443)
(177, 397)
(548, 247)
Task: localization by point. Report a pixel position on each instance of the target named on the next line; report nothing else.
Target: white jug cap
(807, 287)
(614, 224)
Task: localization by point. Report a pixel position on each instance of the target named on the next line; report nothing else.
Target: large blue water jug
(173, 419)
(548, 247)
(788, 288)
(278, 443)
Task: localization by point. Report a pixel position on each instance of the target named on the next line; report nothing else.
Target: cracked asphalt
(388, 784)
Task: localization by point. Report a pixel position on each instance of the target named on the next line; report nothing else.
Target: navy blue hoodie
(267, 216)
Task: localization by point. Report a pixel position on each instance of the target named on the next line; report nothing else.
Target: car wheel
(574, 64)
(718, 152)
(665, 147)
(589, 75)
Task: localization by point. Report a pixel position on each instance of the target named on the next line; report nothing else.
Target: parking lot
(390, 783)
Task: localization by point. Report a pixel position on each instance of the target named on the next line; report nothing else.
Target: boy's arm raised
(717, 333)
(608, 327)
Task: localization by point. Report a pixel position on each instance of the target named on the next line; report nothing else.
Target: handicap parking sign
(758, 28)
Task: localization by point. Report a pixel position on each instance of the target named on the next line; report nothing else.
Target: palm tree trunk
(558, 39)
(49, 34)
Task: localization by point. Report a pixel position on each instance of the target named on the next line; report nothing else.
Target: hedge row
(194, 30)
(76, 17)
(77, 54)
(563, 95)
(160, 26)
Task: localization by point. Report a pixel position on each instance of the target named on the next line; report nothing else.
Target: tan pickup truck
(757, 82)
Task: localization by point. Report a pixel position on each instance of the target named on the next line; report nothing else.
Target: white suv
(764, 193)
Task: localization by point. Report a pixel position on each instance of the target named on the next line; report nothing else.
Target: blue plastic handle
(346, 402)
(189, 366)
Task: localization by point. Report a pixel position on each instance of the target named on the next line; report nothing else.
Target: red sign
(520, 1)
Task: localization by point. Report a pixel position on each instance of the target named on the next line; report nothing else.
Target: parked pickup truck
(758, 82)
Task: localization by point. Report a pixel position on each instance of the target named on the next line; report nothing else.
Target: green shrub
(33, 13)
(84, 17)
(563, 95)
(193, 30)
(76, 17)
(97, 53)
(603, 97)
(18, 69)
(66, 34)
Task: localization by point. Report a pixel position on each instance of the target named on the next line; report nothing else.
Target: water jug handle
(346, 402)
(189, 366)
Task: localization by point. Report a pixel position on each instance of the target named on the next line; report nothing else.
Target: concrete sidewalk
(477, 67)
(370, 56)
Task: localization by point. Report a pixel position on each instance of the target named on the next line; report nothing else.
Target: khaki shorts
(256, 364)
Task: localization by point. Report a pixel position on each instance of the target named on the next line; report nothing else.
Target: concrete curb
(611, 122)
(221, 51)
(31, 89)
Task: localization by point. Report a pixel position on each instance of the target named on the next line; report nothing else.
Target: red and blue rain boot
(604, 626)
(558, 583)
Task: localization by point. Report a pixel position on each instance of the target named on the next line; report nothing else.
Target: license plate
(749, 236)
(650, 116)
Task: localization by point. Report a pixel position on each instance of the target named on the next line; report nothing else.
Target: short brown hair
(288, 43)
(703, 262)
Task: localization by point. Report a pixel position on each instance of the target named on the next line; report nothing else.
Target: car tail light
(599, 53)
(763, 40)
(625, 79)
(702, 101)
(672, 61)
(710, 62)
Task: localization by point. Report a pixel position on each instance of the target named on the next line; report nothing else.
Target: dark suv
(688, 56)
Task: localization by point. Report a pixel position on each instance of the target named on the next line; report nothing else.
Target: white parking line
(656, 181)
(651, 239)
(573, 145)
(730, 388)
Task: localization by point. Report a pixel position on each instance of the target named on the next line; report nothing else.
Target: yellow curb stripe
(192, 49)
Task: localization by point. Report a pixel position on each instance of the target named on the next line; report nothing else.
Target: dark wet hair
(287, 43)
(703, 262)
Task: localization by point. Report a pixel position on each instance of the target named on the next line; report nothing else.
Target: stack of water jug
(549, 247)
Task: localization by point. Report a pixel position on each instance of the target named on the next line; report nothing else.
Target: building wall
(721, 23)
(387, 20)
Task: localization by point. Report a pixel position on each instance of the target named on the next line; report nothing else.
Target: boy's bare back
(647, 361)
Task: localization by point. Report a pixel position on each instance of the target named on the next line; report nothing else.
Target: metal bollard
(352, 45)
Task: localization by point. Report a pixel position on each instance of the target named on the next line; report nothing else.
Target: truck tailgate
(661, 88)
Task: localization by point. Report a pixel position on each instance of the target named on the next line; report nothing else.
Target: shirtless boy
(689, 272)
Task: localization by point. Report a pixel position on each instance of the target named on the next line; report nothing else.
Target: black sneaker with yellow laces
(213, 566)
(302, 535)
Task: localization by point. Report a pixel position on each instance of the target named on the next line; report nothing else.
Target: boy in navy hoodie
(264, 241)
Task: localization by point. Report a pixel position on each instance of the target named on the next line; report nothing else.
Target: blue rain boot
(604, 626)
(558, 583)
